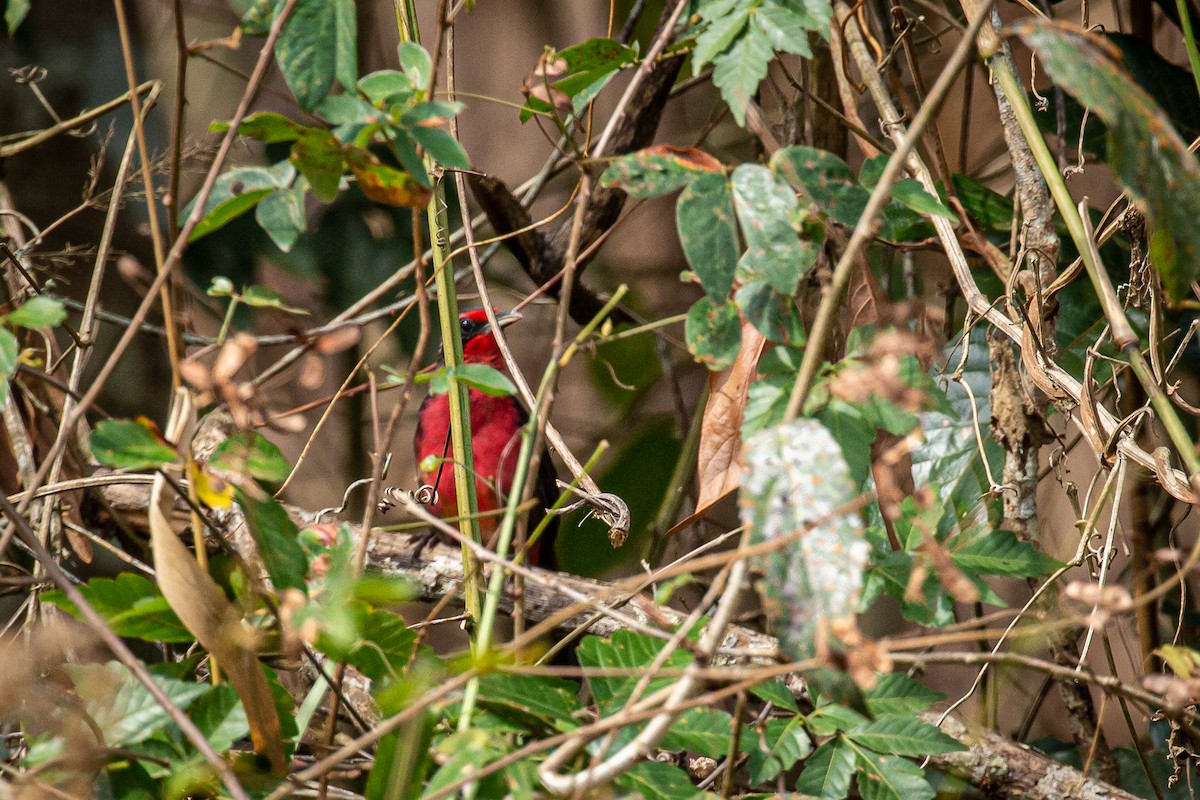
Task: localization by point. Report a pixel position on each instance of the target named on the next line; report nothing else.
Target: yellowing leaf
(213, 491)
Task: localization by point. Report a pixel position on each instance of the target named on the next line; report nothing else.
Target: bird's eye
(468, 326)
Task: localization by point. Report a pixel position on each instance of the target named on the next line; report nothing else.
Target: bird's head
(479, 341)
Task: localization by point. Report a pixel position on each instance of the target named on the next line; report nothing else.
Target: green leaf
(441, 146)
(833, 718)
(125, 444)
(345, 67)
(14, 14)
(275, 534)
(738, 71)
(316, 46)
(787, 25)
(776, 693)
(912, 194)
(705, 731)
(587, 68)
(992, 210)
(38, 311)
(235, 193)
(548, 703)
(714, 332)
(724, 23)
(707, 231)
(766, 402)
(774, 314)
(318, 157)
(854, 434)
(122, 708)
(249, 453)
(262, 297)
(221, 287)
(1147, 155)
(10, 354)
(387, 85)
(281, 215)
(625, 650)
(654, 780)
(416, 63)
(767, 209)
(377, 643)
(826, 180)
(131, 605)
(1000, 552)
(904, 735)
(256, 16)
(948, 459)
(220, 717)
(828, 771)
(891, 778)
(659, 170)
(465, 752)
(483, 378)
(774, 747)
(897, 693)
(266, 126)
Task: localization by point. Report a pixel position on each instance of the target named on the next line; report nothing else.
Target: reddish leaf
(688, 157)
(384, 184)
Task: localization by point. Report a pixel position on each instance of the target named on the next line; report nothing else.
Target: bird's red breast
(495, 442)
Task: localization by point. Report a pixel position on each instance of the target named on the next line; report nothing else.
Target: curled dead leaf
(718, 471)
(203, 608)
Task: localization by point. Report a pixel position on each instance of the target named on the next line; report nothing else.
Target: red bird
(495, 442)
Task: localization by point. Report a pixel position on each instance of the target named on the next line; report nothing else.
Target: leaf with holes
(235, 193)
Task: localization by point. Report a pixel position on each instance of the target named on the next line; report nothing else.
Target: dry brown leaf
(891, 467)
(951, 577)
(718, 471)
(864, 299)
(207, 613)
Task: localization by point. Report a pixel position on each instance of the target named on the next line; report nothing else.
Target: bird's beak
(508, 318)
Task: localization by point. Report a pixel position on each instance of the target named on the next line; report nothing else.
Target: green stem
(459, 397)
(1123, 335)
(1189, 40)
(504, 536)
(225, 323)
